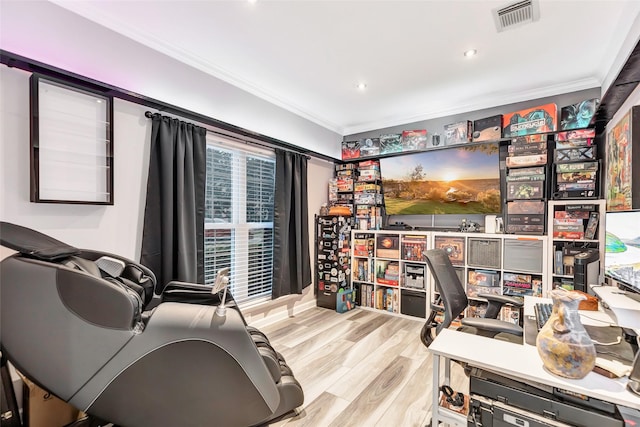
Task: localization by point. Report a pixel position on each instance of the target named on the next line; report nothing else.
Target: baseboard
(283, 314)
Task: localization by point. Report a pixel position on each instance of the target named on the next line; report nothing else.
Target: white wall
(45, 32)
(114, 228)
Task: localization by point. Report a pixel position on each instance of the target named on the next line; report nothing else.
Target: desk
(625, 310)
(518, 361)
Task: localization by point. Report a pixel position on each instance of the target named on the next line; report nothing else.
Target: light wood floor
(360, 368)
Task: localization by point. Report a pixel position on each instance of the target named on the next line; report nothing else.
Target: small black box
(413, 303)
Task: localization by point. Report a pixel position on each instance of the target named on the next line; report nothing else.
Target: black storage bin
(413, 303)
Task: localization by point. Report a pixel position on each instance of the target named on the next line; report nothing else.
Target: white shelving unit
(503, 264)
(562, 268)
(389, 271)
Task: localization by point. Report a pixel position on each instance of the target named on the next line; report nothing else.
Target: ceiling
(308, 56)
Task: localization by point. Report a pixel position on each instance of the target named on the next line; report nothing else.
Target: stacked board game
(576, 164)
(525, 186)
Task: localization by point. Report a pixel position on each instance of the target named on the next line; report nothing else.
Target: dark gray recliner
(89, 338)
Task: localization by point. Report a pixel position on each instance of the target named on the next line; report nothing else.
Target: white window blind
(239, 216)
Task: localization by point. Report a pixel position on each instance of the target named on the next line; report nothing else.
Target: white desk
(625, 310)
(518, 361)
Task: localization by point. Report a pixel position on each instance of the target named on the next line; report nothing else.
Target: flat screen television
(622, 249)
(457, 180)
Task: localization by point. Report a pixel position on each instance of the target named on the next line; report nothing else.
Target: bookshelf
(390, 274)
(502, 264)
(568, 221)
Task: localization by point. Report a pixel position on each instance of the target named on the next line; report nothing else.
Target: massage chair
(88, 327)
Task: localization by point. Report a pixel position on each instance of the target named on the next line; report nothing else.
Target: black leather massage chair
(87, 332)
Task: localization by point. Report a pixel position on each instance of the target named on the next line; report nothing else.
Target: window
(239, 217)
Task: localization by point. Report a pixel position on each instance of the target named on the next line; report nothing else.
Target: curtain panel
(173, 233)
(292, 267)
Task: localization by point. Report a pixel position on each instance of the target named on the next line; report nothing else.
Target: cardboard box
(43, 409)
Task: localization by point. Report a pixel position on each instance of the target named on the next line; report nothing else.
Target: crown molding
(86, 10)
(485, 101)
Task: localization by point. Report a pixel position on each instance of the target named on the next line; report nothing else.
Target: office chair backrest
(452, 293)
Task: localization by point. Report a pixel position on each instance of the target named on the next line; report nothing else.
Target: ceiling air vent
(516, 14)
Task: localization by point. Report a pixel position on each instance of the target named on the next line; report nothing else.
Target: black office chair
(454, 301)
(81, 324)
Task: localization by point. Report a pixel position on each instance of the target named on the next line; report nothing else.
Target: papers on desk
(611, 368)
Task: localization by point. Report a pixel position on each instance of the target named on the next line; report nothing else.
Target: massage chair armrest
(195, 293)
(492, 326)
(95, 255)
(496, 302)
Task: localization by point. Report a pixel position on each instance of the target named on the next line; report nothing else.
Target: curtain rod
(27, 64)
(149, 114)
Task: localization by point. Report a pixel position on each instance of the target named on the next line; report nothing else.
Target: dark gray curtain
(291, 265)
(173, 234)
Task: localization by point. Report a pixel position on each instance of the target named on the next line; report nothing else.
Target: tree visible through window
(239, 217)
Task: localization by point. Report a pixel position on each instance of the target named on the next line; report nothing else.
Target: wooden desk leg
(435, 407)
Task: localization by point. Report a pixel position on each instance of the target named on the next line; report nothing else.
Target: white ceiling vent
(516, 14)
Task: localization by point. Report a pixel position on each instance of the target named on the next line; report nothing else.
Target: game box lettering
(539, 119)
(523, 161)
(574, 167)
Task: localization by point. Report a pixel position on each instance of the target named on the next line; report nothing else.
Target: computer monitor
(622, 250)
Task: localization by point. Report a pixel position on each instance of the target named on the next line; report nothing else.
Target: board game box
(576, 134)
(530, 160)
(458, 133)
(527, 171)
(576, 154)
(528, 139)
(350, 150)
(369, 147)
(525, 207)
(487, 129)
(578, 115)
(390, 143)
(453, 246)
(525, 190)
(541, 119)
(528, 149)
(414, 140)
(575, 167)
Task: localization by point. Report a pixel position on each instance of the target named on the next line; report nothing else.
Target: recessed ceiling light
(252, 1)
(469, 53)
(361, 86)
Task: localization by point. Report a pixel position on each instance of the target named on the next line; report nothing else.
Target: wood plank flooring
(360, 368)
